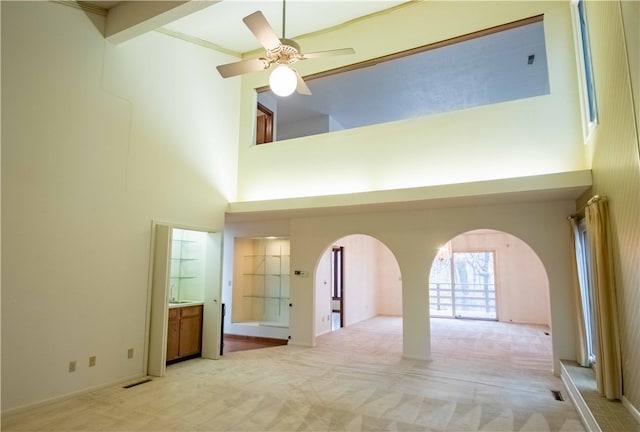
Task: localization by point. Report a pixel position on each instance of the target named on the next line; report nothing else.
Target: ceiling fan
(280, 52)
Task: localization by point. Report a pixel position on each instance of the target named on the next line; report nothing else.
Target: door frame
(454, 285)
(337, 262)
(154, 359)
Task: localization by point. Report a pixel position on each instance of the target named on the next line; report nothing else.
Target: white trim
(66, 396)
(589, 422)
(84, 6)
(633, 410)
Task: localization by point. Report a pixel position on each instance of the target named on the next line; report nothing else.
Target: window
(585, 69)
(586, 289)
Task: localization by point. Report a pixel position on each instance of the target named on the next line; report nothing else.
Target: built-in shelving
(186, 263)
(261, 292)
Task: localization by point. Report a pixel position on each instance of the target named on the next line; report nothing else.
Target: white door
(161, 259)
(212, 324)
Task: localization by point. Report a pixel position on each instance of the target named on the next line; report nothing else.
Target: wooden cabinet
(184, 333)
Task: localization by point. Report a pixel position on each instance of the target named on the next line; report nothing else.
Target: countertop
(185, 303)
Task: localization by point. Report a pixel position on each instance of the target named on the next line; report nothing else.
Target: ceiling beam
(129, 19)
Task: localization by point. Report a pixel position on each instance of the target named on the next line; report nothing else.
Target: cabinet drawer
(174, 314)
(190, 311)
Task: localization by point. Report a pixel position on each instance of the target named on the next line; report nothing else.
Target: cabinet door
(173, 339)
(190, 335)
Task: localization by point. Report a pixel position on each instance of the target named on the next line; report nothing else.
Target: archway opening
(496, 288)
(357, 278)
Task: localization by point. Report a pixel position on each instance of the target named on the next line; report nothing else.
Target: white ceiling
(221, 23)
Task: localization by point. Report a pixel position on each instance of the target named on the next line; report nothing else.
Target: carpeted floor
(484, 376)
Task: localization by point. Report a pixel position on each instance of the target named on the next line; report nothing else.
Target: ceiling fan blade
(301, 86)
(342, 51)
(262, 30)
(241, 67)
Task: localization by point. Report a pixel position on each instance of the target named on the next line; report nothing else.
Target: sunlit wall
(525, 137)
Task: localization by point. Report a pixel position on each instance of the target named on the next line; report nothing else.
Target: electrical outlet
(92, 361)
(72, 366)
(130, 353)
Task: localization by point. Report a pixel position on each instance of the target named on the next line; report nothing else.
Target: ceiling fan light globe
(283, 80)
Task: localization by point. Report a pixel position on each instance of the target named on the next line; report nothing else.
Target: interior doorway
(489, 274)
(337, 288)
(486, 275)
(185, 275)
(357, 277)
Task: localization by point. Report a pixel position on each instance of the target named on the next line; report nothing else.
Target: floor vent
(133, 384)
(557, 395)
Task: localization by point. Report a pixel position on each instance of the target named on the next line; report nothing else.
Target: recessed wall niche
(261, 281)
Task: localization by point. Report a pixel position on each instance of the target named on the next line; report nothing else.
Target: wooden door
(264, 125)
(173, 335)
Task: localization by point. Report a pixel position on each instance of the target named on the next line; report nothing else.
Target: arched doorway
(492, 272)
(487, 275)
(357, 277)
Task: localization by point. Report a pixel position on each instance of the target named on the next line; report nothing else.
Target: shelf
(263, 280)
(183, 277)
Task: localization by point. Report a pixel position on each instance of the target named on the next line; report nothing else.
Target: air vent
(557, 395)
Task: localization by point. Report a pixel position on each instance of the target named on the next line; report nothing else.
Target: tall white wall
(97, 141)
(524, 137)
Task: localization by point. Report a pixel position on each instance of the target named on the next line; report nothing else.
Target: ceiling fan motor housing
(287, 53)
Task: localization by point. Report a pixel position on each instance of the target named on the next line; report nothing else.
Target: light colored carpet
(484, 376)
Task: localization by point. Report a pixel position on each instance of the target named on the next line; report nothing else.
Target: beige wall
(616, 163)
(531, 136)
(97, 141)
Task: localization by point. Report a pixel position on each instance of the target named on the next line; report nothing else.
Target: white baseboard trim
(584, 412)
(633, 410)
(44, 402)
